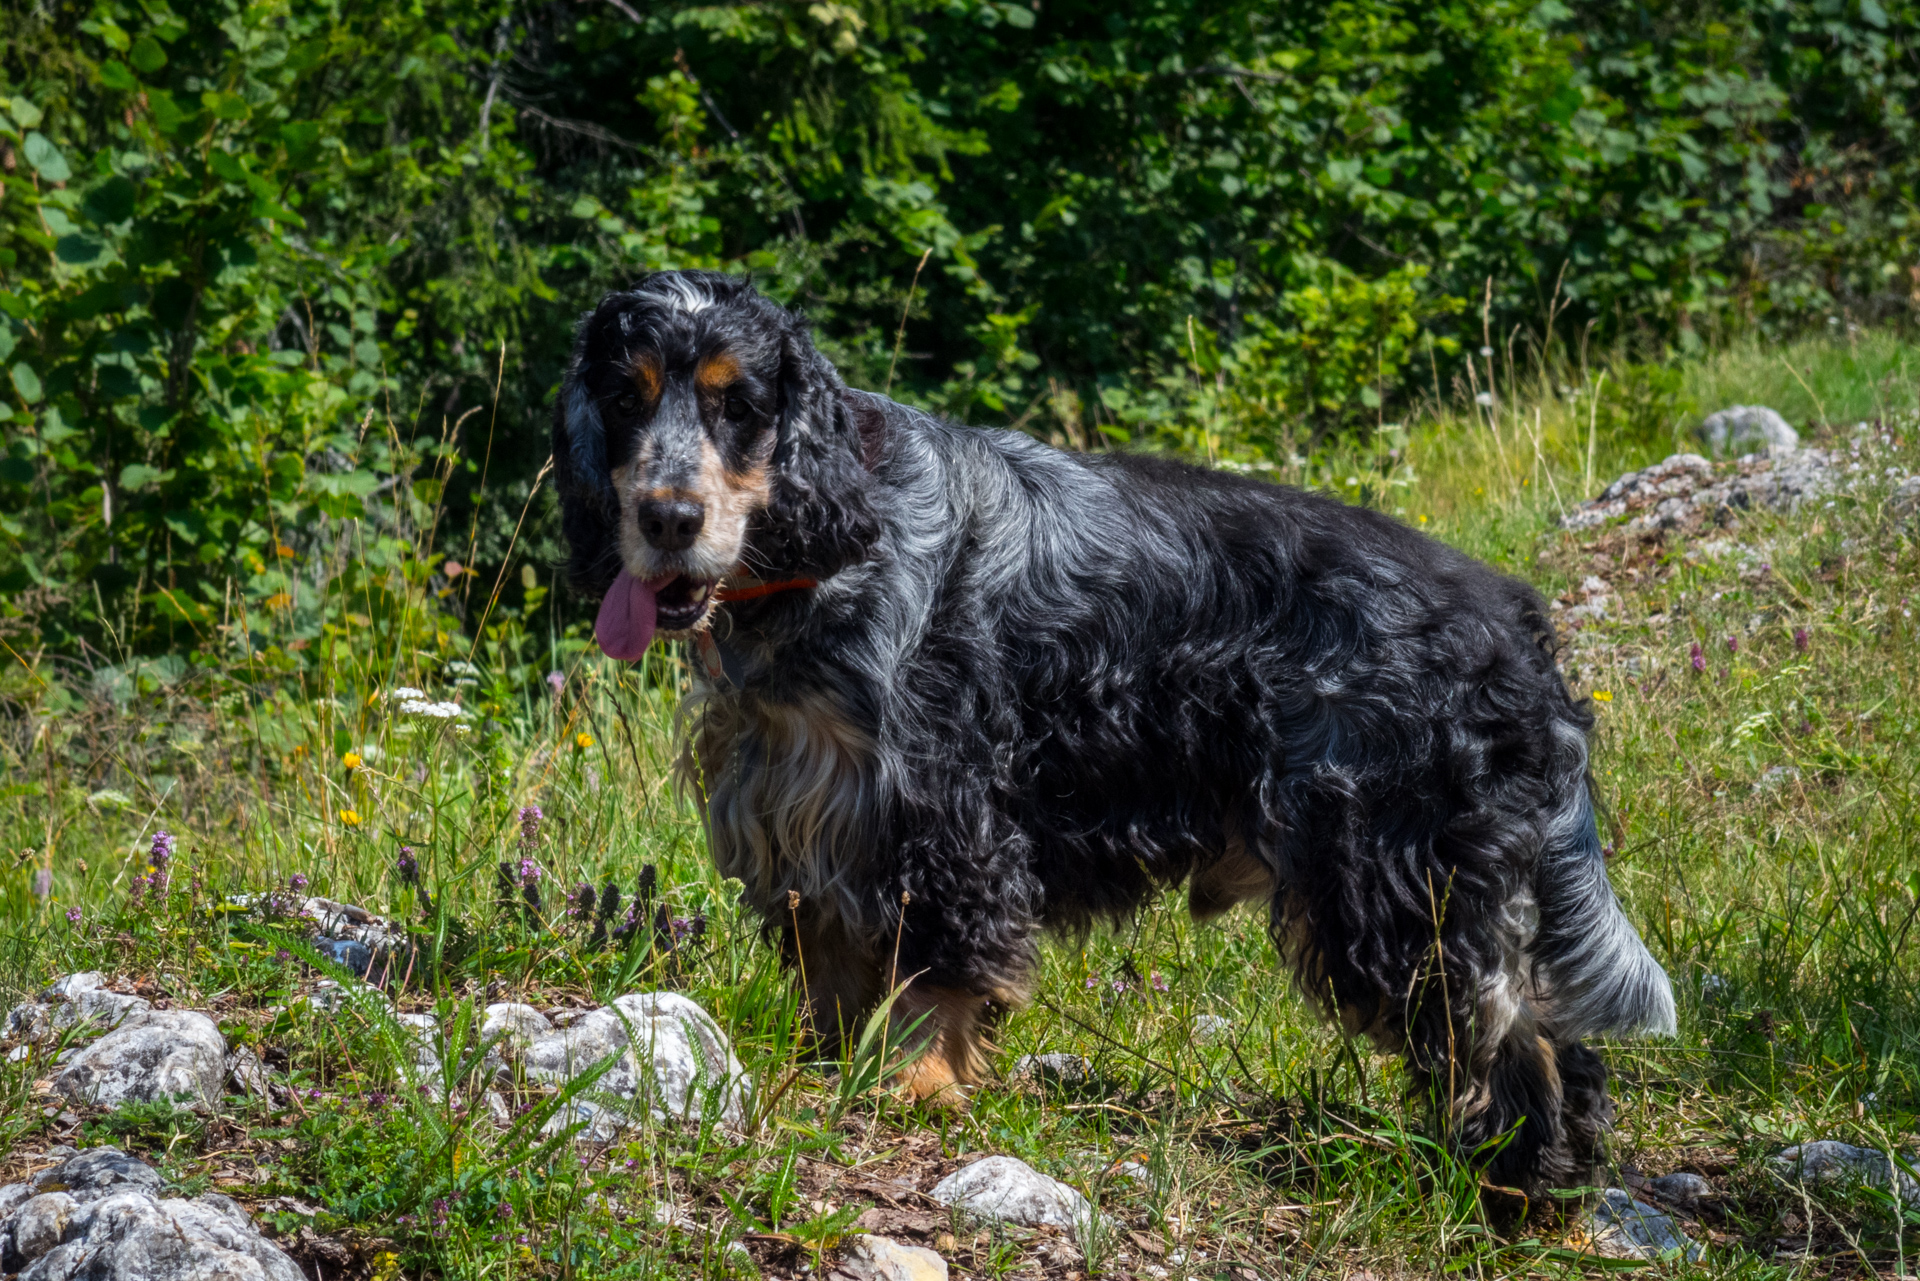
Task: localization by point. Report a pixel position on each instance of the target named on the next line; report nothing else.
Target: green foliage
(266, 266)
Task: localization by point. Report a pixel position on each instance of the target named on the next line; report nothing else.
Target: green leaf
(168, 116)
(148, 55)
(139, 476)
(224, 106)
(46, 158)
(25, 112)
(83, 251)
(27, 382)
(115, 75)
(110, 201)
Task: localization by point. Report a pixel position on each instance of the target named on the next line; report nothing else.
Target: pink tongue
(627, 614)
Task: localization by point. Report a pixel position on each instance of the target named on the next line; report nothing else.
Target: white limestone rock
(872, 1258)
(1831, 1161)
(1623, 1228)
(1746, 429)
(1068, 1069)
(99, 1216)
(672, 1059)
(1680, 1189)
(70, 1001)
(1008, 1189)
(173, 1056)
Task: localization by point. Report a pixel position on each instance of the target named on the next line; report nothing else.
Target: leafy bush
(268, 265)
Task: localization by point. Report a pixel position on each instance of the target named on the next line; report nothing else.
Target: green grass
(1763, 811)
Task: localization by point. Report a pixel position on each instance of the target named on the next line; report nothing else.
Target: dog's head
(699, 435)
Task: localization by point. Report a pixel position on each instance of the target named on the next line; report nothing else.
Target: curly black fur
(1035, 689)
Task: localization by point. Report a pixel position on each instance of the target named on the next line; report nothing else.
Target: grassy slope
(1782, 903)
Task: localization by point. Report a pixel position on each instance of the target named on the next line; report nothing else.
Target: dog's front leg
(944, 1030)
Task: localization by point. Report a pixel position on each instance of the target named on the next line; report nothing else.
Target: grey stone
(13, 1196)
(132, 1236)
(1742, 429)
(516, 1026)
(38, 1225)
(871, 1258)
(1685, 488)
(346, 922)
(1211, 1027)
(248, 1074)
(1830, 1161)
(1006, 1188)
(173, 1054)
(671, 1057)
(1681, 1188)
(98, 1216)
(70, 1001)
(1623, 1228)
(1069, 1069)
(98, 1171)
(514, 1022)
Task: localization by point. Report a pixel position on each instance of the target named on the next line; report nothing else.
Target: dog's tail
(1593, 969)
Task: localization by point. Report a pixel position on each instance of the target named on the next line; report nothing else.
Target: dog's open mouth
(635, 608)
(682, 601)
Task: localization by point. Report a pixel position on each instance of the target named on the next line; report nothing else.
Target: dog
(957, 687)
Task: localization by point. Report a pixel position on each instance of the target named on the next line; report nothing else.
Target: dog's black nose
(671, 524)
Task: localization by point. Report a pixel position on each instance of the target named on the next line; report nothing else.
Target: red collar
(747, 587)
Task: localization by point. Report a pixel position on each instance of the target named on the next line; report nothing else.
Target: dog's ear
(589, 510)
(819, 516)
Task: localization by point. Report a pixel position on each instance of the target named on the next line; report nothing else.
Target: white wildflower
(1484, 398)
(408, 692)
(436, 711)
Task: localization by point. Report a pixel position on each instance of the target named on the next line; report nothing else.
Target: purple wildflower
(529, 872)
(1733, 644)
(297, 882)
(580, 903)
(530, 817)
(159, 858)
(1699, 657)
(557, 682)
(1802, 639)
(73, 915)
(43, 882)
(407, 866)
(503, 1211)
(1158, 981)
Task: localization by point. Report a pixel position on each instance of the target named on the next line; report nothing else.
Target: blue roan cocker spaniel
(961, 687)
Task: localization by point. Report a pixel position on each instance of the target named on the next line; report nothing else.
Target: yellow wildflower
(583, 741)
(352, 760)
(1603, 696)
(350, 817)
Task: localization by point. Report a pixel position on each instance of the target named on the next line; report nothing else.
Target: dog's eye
(737, 409)
(625, 403)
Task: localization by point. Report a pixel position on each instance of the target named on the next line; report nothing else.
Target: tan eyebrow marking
(716, 372)
(646, 375)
